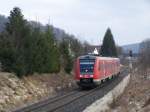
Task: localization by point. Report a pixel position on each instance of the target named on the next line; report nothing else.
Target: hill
(3, 20)
(59, 33)
(134, 47)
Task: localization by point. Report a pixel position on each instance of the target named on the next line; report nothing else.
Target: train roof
(100, 57)
(107, 58)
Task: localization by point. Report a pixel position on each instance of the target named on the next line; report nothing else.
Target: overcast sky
(88, 20)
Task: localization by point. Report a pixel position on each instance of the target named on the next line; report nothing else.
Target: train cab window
(87, 66)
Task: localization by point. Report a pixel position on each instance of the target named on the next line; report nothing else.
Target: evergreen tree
(108, 48)
(44, 53)
(25, 49)
(53, 55)
(36, 51)
(7, 51)
(67, 61)
(16, 33)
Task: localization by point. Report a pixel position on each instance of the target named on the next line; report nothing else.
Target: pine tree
(17, 31)
(108, 48)
(67, 61)
(7, 53)
(36, 50)
(25, 49)
(44, 52)
(53, 55)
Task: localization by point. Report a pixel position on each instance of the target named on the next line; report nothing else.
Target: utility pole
(130, 59)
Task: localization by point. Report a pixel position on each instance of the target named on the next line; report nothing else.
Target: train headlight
(91, 75)
(81, 75)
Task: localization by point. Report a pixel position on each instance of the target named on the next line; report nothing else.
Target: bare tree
(144, 59)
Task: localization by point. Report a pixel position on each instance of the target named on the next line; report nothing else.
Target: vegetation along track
(53, 104)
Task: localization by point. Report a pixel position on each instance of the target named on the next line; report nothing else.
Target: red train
(92, 70)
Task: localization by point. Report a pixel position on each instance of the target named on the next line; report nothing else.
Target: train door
(105, 68)
(101, 68)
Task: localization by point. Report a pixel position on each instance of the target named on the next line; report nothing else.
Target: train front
(84, 70)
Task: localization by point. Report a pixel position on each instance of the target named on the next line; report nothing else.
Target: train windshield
(87, 66)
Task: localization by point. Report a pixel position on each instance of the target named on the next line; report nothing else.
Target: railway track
(57, 102)
(54, 104)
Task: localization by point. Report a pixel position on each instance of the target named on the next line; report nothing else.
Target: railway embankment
(15, 92)
(136, 97)
(131, 95)
(103, 104)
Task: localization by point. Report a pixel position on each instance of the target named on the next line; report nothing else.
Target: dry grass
(136, 97)
(15, 92)
(50, 80)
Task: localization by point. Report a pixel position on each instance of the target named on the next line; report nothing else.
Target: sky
(88, 20)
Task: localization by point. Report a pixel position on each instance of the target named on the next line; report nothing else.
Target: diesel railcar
(92, 70)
